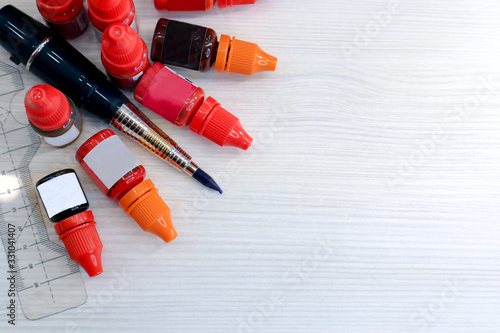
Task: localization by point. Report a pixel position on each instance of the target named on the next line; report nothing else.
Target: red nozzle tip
(91, 262)
(82, 241)
(220, 126)
(103, 13)
(238, 137)
(122, 49)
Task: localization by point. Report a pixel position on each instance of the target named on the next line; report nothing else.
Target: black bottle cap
(20, 35)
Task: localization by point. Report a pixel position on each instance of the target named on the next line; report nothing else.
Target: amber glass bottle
(197, 48)
(184, 45)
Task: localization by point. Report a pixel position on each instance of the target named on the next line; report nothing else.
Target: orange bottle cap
(47, 108)
(237, 56)
(222, 53)
(82, 241)
(149, 210)
(220, 126)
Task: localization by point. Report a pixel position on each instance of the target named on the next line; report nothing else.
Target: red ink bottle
(182, 103)
(66, 204)
(121, 176)
(198, 5)
(197, 48)
(103, 13)
(52, 115)
(124, 55)
(68, 17)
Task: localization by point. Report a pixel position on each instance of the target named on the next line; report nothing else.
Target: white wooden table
(369, 201)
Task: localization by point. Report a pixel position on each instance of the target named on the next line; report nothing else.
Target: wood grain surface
(369, 201)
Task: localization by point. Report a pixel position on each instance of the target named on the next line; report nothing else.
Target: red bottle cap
(161, 4)
(82, 241)
(122, 50)
(230, 3)
(103, 13)
(218, 125)
(237, 56)
(183, 5)
(59, 11)
(47, 108)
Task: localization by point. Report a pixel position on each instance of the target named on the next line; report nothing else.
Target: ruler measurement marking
(22, 228)
(15, 169)
(6, 114)
(17, 129)
(44, 261)
(11, 150)
(25, 179)
(7, 73)
(27, 220)
(30, 214)
(35, 244)
(45, 271)
(19, 188)
(25, 289)
(57, 278)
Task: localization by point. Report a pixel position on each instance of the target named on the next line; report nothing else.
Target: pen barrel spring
(131, 121)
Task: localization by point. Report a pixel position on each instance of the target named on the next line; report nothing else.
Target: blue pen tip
(206, 180)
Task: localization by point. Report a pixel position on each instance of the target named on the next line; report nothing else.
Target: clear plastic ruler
(47, 280)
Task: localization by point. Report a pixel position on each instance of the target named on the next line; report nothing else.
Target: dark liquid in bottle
(73, 28)
(184, 45)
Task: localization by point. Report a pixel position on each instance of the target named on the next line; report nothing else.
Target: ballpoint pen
(51, 58)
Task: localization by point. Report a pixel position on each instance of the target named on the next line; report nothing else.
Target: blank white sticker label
(64, 139)
(111, 160)
(61, 193)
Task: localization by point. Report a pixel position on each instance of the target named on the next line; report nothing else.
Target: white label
(61, 193)
(64, 139)
(111, 160)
